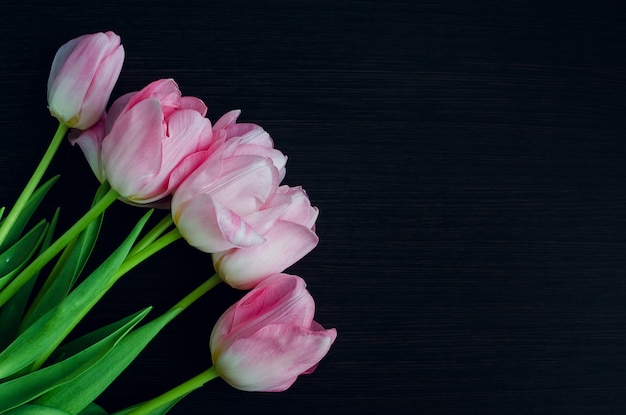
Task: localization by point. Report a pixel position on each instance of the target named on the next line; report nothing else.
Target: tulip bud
(268, 338)
(82, 77)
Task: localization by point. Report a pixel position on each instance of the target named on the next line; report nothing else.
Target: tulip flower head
(82, 77)
(288, 226)
(148, 141)
(269, 338)
(212, 206)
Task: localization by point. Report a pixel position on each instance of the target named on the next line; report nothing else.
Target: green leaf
(12, 312)
(67, 269)
(36, 410)
(27, 212)
(161, 410)
(27, 387)
(1, 213)
(91, 338)
(39, 340)
(75, 395)
(14, 259)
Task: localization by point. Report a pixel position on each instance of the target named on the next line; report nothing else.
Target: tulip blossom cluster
(222, 183)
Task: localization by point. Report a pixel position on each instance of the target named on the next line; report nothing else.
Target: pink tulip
(148, 142)
(287, 225)
(213, 203)
(83, 74)
(268, 338)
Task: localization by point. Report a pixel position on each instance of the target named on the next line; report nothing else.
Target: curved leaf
(75, 395)
(25, 388)
(39, 340)
(15, 258)
(36, 410)
(12, 312)
(66, 270)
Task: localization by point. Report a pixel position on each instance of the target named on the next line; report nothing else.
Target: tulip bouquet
(217, 186)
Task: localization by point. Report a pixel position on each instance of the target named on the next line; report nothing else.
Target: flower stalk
(178, 392)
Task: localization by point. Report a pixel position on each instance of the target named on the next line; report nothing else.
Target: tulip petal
(300, 210)
(283, 299)
(285, 244)
(163, 90)
(187, 132)
(273, 357)
(211, 227)
(246, 183)
(193, 103)
(90, 142)
(103, 80)
(227, 119)
(125, 158)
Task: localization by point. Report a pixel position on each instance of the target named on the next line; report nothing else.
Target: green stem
(154, 233)
(32, 184)
(177, 392)
(195, 382)
(45, 257)
(197, 293)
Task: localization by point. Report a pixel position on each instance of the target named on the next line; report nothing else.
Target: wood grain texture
(468, 162)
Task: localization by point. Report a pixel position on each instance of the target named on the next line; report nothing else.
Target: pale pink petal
(193, 103)
(227, 119)
(273, 357)
(59, 59)
(131, 153)
(211, 227)
(103, 81)
(283, 299)
(164, 90)
(90, 142)
(246, 183)
(116, 109)
(285, 244)
(185, 130)
(300, 210)
(186, 167)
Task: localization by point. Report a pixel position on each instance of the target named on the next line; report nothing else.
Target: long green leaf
(90, 339)
(77, 394)
(27, 212)
(25, 388)
(39, 340)
(67, 269)
(36, 410)
(12, 312)
(14, 259)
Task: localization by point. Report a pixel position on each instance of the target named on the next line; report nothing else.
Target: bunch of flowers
(220, 187)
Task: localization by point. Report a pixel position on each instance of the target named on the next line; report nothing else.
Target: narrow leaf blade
(42, 337)
(25, 388)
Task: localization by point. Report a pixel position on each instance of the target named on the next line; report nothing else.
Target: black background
(467, 158)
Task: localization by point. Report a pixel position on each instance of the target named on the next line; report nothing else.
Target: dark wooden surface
(468, 161)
